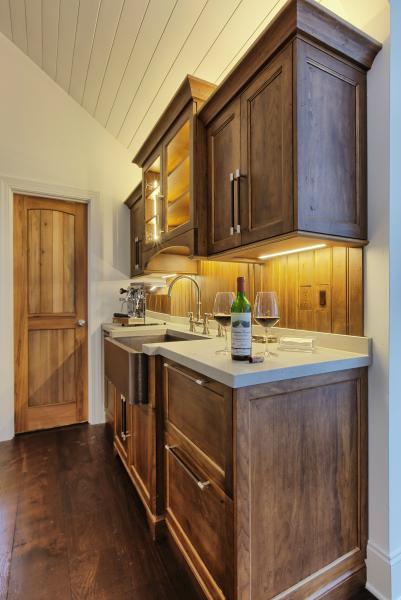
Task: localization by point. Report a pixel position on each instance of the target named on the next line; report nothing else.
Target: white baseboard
(383, 573)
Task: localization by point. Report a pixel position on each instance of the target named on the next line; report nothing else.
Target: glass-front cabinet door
(153, 201)
(177, 179)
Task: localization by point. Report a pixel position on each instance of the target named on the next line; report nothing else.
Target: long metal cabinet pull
(137, 241)
(202, 485)
(232, 203)
(238, 180)
(193, 379)
(124, 433)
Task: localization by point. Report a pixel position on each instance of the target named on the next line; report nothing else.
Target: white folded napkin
(295, 343)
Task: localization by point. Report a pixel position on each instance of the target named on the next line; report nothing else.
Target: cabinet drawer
(201, 411)
(200, 517)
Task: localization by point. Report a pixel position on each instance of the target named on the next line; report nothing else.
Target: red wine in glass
(223, 319)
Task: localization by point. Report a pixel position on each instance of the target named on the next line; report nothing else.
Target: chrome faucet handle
(206, 317)
(190, 315)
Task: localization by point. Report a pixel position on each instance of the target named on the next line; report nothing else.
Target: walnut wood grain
(191, 89)
(299, 521)
(302, 17)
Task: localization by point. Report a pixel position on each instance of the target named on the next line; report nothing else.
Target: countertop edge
(259, 377)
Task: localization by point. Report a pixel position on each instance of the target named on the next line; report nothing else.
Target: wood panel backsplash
(321, 290)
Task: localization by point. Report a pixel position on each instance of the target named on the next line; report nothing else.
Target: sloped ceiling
(122, 60)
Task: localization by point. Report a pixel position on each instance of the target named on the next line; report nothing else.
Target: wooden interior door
(50, 313)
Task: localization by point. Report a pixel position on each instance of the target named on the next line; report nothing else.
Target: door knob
(81, 322)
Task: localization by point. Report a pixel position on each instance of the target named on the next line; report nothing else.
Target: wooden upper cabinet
(136, 205)
(331, 151)
(223, 147)
(171, 186)
(265, 200)
(299, 155)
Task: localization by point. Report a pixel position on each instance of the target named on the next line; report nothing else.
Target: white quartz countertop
(333, 353)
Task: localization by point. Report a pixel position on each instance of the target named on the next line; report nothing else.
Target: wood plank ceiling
(122, 60)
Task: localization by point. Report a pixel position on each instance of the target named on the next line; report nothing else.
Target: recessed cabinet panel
(223, 139)
(202, 517)
(266, 152)
(331, 117)
(136, 237)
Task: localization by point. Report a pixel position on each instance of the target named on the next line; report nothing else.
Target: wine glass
(266, 314)
(222, 314)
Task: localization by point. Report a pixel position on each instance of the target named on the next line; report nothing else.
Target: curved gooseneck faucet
(170, 288)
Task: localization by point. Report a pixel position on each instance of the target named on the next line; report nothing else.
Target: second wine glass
(222, 314)
(266, 313)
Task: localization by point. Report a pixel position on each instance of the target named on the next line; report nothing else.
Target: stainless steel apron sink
(126, 365)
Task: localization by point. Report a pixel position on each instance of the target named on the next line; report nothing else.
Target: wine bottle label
(241, 334)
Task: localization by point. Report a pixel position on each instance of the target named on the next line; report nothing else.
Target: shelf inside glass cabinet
(178, 179)
(153, 208)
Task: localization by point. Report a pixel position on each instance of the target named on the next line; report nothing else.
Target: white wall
(395, 304)
(382, 305)
(47, 137)
(377, 321)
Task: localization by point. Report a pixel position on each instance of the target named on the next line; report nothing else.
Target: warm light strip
(169, 275)
(295, 251)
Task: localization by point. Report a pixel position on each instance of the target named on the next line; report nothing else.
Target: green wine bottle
(241, 324)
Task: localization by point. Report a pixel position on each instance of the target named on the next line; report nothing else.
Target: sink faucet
(198, 304)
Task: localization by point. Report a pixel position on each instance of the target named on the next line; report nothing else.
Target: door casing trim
(8, 187)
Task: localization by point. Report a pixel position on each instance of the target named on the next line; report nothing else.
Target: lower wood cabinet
(295, 524)
(109, 406)
(200, 518)
(135, 438)
(122, 431)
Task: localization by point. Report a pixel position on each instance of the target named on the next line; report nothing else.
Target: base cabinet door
(122, 425)
(142, 456)
(200, 518)
(109, 406)
(266, 179)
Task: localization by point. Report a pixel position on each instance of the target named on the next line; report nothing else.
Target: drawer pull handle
(193, 379)
(202, 485)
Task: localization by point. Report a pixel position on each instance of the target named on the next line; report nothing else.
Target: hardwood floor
(72, 527)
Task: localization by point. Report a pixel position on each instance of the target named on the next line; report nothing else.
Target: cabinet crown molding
(298, 18)
(192, 89)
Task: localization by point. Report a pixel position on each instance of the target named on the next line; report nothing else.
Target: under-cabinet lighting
(153, 288)
(295, 251)
(169, 275)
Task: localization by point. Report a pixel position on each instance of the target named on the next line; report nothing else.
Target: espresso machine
(133, 305)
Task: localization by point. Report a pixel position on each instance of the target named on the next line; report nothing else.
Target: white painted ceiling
(122, 60)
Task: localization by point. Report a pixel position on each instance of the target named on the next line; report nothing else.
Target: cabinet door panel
(266, 152)
(122, 425)
(142, 455)
(223, 147)
(137, 229)
(331, 153)
(109, 406)
(201, 517)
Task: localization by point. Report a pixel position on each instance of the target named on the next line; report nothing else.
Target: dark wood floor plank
(73, 528)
